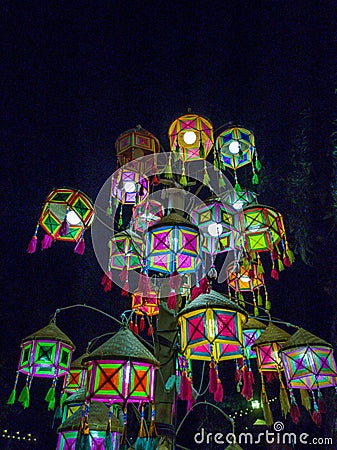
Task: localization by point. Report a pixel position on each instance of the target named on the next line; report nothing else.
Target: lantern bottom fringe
(108, 445)
(268, 416)
(24, 397)
(284, 400)
(213, 378)
(32, 245)
(295, 413)
(141, 443)
(11, 398)
(317, 418)
(305, 399)
(80, 247)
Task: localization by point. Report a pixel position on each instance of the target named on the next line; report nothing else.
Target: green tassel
(178, 380)
(109, 211)
(280, 265)
(202, 151)
(183, 180)
(86, 442)
(284, 401)
(216, 163)
(258, 165)
(63, 398)
(206, 179)
(120, 221)
(116, 202)
(168, 170)
(237, 188)
(51, 404)
(24, 397)
(141, 443)
(256, 311)
(259, 299)
(152, 443)
(305, 399)
(169, 385)
(260, 269)
(255, 179)
(108, 441)
(291, 256)
(241, 299)
(268, 305)
(50, 394)
(58, 413)
(221, 182)
(246, 264)
(11, 399)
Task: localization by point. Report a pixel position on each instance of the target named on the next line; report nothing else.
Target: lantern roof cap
(78, 362)
(173, 219)
(76, 397)
(97, 418)
(51, 332)
(303, 338)
(124, 345)
(212, 299)
(254, 324)
(271, 334)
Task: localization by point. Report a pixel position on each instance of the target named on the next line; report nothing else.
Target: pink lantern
(129, 187)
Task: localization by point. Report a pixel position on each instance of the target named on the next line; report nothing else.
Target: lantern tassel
(24, 396)
(12, 397)
(321, 403)
(316, 417)
(152, 443)
(126, 289)
(305, 399)
(80, 246)
(32, 245)
(184, 386)
(172, 300)
(63, 398)
(124, 274)
(295, 413)
(46, 242)
(268, 416)
(142, 438)
(247, 390)
(107, 281)
(64, 228)
(284, 400)
(218, 394)
(142, 324)
(204, 285)
(213, 378)
(108, 445)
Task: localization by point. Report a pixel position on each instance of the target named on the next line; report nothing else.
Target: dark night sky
(76, 75)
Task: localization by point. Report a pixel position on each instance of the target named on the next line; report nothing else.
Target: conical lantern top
(303, 338)
(253, 324)
(76, 397)
(173, 219)
(272, 334)
(51, 332)
(124, 344)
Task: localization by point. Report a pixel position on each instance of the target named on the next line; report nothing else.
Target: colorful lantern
(240, 199)
(146, 214)
(211, 326)
(121, 370)
(173, 245)
(144, 305)
(75, 379)
(219, 224)
(46, 353)
(102, 430)
(129, 186)
(73, 403)
(251, 330)
(308, 361)
(236, 146)
(191, 137)
(66, 214)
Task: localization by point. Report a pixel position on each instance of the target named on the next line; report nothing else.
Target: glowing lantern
(240, 199)
(76, 376)
(267, 348)
(147, 305)
(211, 326)
(308, 361)
(146, 214)
(121, 370)
(191, 137)
(173, 245)
(73, 403)
(102, 429)
(66, 214)
(129, 187)
(236, 146)
(136, 143)
(251, 330)
(46, 353)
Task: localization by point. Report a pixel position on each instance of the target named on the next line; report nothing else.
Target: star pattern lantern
(146, 214)
(308, 361)
(144, 305)
(236, 146)
(126, 250)
(121, 370)
(219, 224)
(191, 137)
(240, 199)
(211, 328)
(47, 353)
(66, 214)
(251, 330)
(102, 430)
(75, 378)
(129, 186)
(173, 245)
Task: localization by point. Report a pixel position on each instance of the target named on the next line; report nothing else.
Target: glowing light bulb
(238, 205)
(129, 186)
(245, 278)
(234, 147)
(215, 229)
(190, 137)
(73, 218)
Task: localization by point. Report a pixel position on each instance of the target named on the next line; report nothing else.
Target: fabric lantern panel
(239, 200)
(146, 214)
(126, 249)
(191, 137)
(263, 228)
(75, 379)
(308, 361)
(236, 146)
(241, 278)
(251, 331)
(148, 304)
(129, 187)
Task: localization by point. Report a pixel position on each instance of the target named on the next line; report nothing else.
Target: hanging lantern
(236, 147)
(173, 245)
(46, 353)
(146, 214)
(73, 403)
(144, 305)
(129, 186)
(267, 348)
(240, 199)
(102, 430)
(186, 284)
(251, 330)
(219, 224)
(211, 326)
(66, 214)
(308, 361)
(121, 370)
(126, 250)
(191, 137)
(75, 378)
(134, 144)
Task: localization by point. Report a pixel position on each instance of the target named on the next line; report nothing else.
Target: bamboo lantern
(121, 370)
(66, 214)
(211, 327)
(308, 361)
(251, 330)
(191, 137)
(101, 427)
(75, 378)
(173, 245)
(267, 347)
(146, 214)
(47, 353)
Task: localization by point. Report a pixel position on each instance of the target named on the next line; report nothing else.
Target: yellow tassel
(284, 400)
(268, 416)
(305, 399)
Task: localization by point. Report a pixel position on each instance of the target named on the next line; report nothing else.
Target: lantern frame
(146, 213)
(267, 348)
(246, 141)
(126, 248)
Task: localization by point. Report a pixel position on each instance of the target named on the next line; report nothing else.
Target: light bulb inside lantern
(234, 147)
(215, 229)
(129, 186)
(255, 404)
(238, 205)
(73, 218)
(245, 278)
(190, 137)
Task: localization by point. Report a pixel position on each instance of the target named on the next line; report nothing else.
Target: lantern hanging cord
(87, 307)
(270, 319)
(95, 339)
